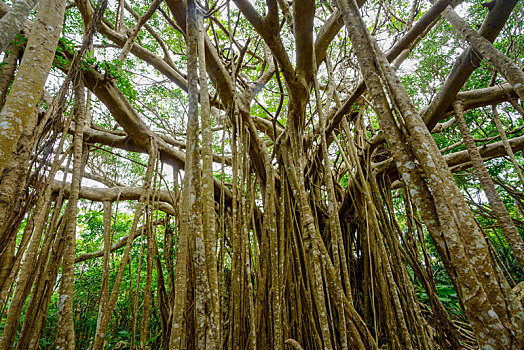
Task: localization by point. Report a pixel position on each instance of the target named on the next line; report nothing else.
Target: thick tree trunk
(485, 305)
(12, 22)
(32, 75)
(501, 213)
(7, 71)
(13, 182)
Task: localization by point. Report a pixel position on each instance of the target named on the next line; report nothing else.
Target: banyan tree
(261, 174)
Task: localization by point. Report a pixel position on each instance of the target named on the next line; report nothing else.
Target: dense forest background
(335, 174)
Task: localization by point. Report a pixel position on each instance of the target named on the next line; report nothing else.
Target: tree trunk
(503, 218)
(32, 75)
(12, 22)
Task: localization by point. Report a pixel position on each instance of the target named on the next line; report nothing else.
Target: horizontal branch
(121, 140)
(165, 198)
(117, 245)
(489, 151)
(471, 100)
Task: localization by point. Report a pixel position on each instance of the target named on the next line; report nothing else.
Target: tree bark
(503, 218)
(189, 212)
(12, 22)
(65, 339)
(7, 71)
(32, 75)
(486, 302)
